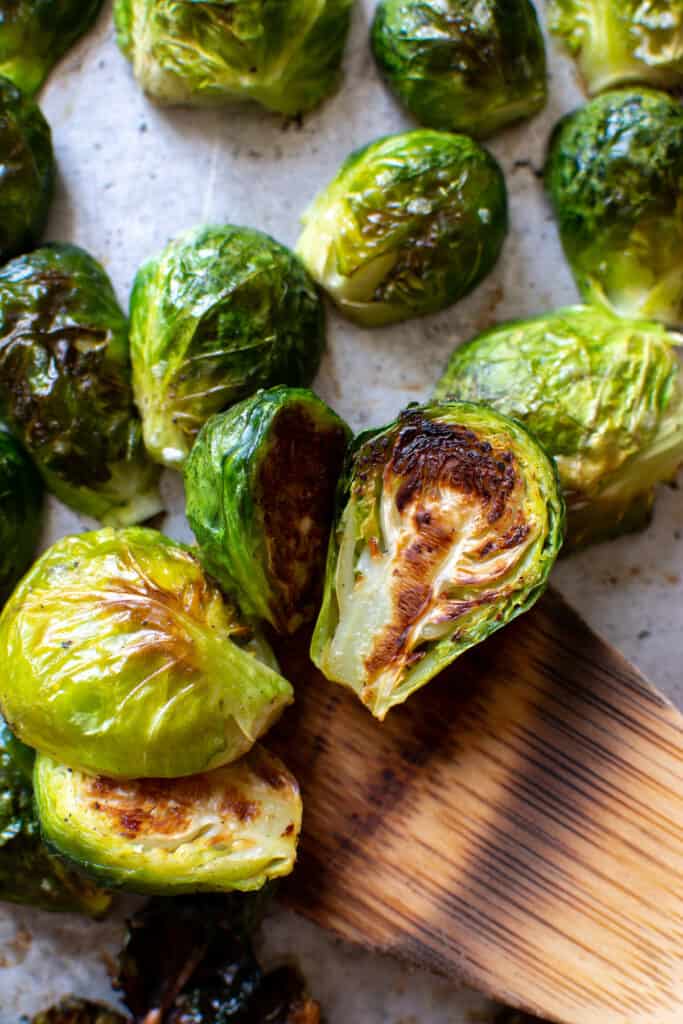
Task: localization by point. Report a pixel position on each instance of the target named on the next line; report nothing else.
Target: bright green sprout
(65, 387)
(35, 34)
(28, 872)
(122, 658)
(449, 522)
(601, 394)
(27, 171)
(615, 177)
(235, 827)
(409, 225)
(617, 42)
(285, 55)
(222, 312)
(470, 66)
(21, 512)
(260, 485)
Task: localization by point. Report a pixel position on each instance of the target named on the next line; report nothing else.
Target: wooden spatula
(518, 825)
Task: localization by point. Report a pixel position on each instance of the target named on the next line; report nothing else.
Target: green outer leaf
(122, 658)
(220, 313)
(370, 496)
(35, 34)
(614, 174)
(28, 873)
(27, 171)
(65, 386)
(286, 56)
(230, 512)
(617, 42)
(410, 224)
(234, 828)
(470, 66)
(21, 512)
(604, 397)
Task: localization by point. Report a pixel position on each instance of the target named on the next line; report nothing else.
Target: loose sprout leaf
(409, 225)
(28, 873)
(449, 522)
(222, 312)
(260, 484)
(285, 56)
(472, 66)
(34, 34)
(615, 177)
(124, 659)
(79, 1011)
(65, 386)
(602, 394)
(617, 42)
(21, 508)
(235, 827)
(26, 171)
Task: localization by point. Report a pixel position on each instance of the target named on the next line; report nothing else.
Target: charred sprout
(260, 485)
(21, 508)
(26, 171)
(34, 34)
(28, 873)
(222, 312)
(449, 522)
(604, 397)
(617, 42)
(65, 386)
(615, 177)
(285, 56)
(470, 66)
(409, 225)
(122, 658)
(79, 1011)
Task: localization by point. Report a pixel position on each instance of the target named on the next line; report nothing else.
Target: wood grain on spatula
(518, 824)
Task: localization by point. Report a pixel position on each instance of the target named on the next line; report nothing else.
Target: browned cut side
(518, 824)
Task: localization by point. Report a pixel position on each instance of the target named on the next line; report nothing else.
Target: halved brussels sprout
(29, 874)
(232, 828)
(65, 386)
(27, 170)
(260, 484)
(615, 178)
(122, 658)
(601, 394)
(470, 66)
(450, 520)
(285, 55)
(34, 34)
(21, 508)
(409, 225)
(78, 1011)
(620, 41)
(220, 313)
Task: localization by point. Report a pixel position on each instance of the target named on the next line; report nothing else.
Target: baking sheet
(132, 176)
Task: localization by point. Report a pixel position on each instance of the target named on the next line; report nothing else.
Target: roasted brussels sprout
(622, 41)
(79, 1011)
(27, 171)
(65, 385)
(470, 66)
(232, 828)
(410, 224)
(34, 34)
(21, 507)
(28, 873)
(601, 394)
(220, 313)
(122, 658)
(260, 484)
(285, 56)
(615, 177)
(449, 522)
